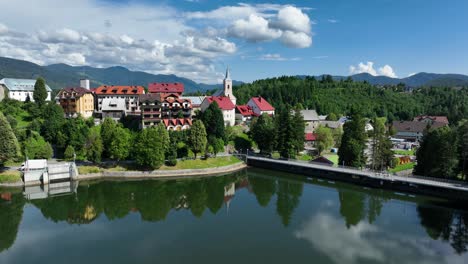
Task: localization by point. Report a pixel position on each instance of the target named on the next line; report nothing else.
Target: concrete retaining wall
(362, 180)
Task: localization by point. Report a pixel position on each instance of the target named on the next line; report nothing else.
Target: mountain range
(63, 75)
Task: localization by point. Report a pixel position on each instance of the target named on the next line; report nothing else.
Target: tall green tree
(382, 154)
(353, 142)
(285, 136)
(197, 139)
(149, 150)
(54, 119)
(93, 145)
(437, 154)
(324, 138)
(9, 147)
(263, 132)
(40, 91)
(107, 130)
(298, 128)
(119, 147)
(214, 121)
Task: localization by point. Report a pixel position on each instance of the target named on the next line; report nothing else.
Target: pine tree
(40, 91)
(298, 128)
(107, 131)
(353, 143)
(9, 147)
(263, 133)
(197, 137)
(214, 121)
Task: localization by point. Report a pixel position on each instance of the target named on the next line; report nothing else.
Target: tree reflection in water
(154, 200)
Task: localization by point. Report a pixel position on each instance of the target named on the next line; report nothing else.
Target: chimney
(84, 83)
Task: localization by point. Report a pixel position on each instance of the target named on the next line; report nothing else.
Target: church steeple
(228, 74)
(227, 86)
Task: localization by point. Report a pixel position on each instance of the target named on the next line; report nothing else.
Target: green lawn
(10, 176)
(203, 164)
(407, 166)
(181, 165)
(304, 157)
(405, 152)
(23, 119)
(333, 157)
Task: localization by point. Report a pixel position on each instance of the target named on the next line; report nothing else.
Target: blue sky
(257, 39)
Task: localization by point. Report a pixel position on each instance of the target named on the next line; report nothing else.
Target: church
(225, 100)
(227, 103)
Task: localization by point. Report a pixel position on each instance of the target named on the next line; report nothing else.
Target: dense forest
(340, 97)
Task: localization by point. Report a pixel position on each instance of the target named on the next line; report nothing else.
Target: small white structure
(33, 170)
(20, 89)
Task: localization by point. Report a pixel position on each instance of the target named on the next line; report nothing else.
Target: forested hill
(62, 75)
(339, 97)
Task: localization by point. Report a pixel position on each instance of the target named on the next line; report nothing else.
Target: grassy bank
(181, 165)
(10, 176)
(403, 167)
(405, 152)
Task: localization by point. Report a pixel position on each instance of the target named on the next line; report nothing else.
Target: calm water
(255, 216)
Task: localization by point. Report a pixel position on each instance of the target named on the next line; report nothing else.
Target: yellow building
(76, 101)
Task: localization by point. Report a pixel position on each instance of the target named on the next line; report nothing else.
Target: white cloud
(263, 22)
(387, 70)
(253, 29)
(333, 21)
(293, 19)
(296, 39)
(368, 67)
(411, 74)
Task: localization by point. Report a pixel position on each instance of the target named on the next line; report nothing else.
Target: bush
(69, 153)
(242, 142)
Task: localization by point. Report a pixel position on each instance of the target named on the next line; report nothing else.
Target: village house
(20, 89)
(311, 120)
(165, 104)
(261, 106)
(117, 101)
(226, 106)
(413, 130)
(76, 101)
(432, 119)
(244, 114)
(196, 103)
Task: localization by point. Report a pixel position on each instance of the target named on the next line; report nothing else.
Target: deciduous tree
(9, 147)
(197, 137)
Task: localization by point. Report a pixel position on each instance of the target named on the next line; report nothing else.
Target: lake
(253, 216)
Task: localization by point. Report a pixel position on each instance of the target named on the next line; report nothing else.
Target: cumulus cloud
(265, 22)
(292, 19)
(368, 67)
(253, 29)
(296, 39)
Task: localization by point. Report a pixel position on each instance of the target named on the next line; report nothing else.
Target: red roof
(224, 102)
(111, 89)
(440, 119)
(166, 88)
(310, 137)
(245, 110)
(262, 104)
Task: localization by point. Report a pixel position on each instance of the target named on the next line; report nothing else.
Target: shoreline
(142, 175)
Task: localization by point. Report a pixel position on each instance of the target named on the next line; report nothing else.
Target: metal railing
(385, 175)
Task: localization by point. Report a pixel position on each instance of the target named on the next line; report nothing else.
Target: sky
(198, 39)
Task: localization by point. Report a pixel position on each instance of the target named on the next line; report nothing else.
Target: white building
(226, 106)
(261, 106)
(20, 89)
